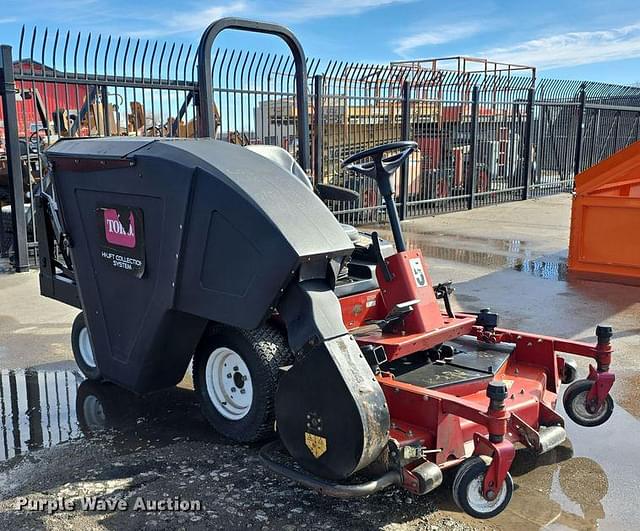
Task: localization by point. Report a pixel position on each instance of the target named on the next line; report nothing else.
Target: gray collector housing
(223, 232)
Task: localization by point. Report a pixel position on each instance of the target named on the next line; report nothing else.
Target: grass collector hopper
(180, 250)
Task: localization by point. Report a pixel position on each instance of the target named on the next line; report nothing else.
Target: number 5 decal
(418, 272)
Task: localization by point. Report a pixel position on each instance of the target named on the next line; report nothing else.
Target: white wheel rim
(229, 384)
(93, 413)
(478, 502)
(580, 408)
(86, 350)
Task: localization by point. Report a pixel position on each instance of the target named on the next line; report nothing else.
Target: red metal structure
(449, 420)
(48, 95)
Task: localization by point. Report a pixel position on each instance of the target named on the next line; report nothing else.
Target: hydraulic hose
(326, 487)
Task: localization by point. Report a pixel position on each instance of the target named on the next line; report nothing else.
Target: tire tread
(272, 351)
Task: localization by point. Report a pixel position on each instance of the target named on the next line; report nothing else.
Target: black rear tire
(263, 351)
(83, 351)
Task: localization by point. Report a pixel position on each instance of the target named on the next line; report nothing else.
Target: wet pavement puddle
(41, 409)
(37, 410)
(590, 481)
(511, 254)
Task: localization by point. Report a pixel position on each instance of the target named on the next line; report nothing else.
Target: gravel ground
(147, 456)
(160, 446)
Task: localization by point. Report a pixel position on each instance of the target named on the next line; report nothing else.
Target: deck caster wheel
(569, 372)
(83, 349)
(235, 374)
(580, 410)
(467, 490)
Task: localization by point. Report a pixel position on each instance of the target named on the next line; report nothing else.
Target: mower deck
(470, 361)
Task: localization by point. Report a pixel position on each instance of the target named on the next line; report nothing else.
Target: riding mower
(181, 250)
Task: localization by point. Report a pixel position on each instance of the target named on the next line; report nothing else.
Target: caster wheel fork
(468, 490)
(584, 407)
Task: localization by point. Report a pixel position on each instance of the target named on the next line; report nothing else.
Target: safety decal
(317, 445)
(418, 272)
(121, 236)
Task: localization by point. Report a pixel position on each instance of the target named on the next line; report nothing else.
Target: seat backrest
(282, 158)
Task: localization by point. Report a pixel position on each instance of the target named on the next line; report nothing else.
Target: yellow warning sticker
(508, 383)
(316, 444)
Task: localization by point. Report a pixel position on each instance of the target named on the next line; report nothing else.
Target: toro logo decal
(117, 232)
(121, 238)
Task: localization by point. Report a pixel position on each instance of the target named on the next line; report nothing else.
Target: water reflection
(37, 410)
(40, 409)
(512, 254)
(552, 491)
(556, 488)
(152, 420)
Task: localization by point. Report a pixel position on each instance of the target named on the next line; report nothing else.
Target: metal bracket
(602, 384)
(382, 263)
(502, 454)
(541, 441)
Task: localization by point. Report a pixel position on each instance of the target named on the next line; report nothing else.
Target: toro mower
(336, 340)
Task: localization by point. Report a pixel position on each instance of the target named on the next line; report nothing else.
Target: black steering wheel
(380, 168)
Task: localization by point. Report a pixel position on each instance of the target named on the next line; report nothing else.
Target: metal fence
(576, 125)
(69, 85)
(483, 138)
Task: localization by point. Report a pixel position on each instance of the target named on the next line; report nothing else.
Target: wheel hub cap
(229, 384)
(478, 502)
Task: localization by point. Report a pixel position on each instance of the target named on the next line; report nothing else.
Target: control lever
(442, 291)
(397, 313)
(375, 240)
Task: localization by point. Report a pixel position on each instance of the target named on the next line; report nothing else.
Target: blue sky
(598, 40)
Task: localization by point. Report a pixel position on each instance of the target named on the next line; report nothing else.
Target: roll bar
(205, 82)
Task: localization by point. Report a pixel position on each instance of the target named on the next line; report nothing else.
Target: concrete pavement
(510, 257)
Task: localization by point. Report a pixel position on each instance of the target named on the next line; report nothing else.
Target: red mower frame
(441, 422)
(484, 418)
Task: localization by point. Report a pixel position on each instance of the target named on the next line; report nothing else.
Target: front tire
(578, 408)
(82, 348)
(467, 490)
(235, 374)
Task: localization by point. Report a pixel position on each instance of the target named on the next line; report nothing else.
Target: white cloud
(181, 22)
(572, 48)
(312, 9)
(438, 35)
(7, 20)
(173, 22)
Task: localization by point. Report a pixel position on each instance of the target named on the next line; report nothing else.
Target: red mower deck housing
(446, 423)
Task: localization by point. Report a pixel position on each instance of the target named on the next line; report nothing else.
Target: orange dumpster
(605, 220)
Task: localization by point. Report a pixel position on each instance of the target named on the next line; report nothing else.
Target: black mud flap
(331, 412)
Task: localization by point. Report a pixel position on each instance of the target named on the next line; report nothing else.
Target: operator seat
(284, 159)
